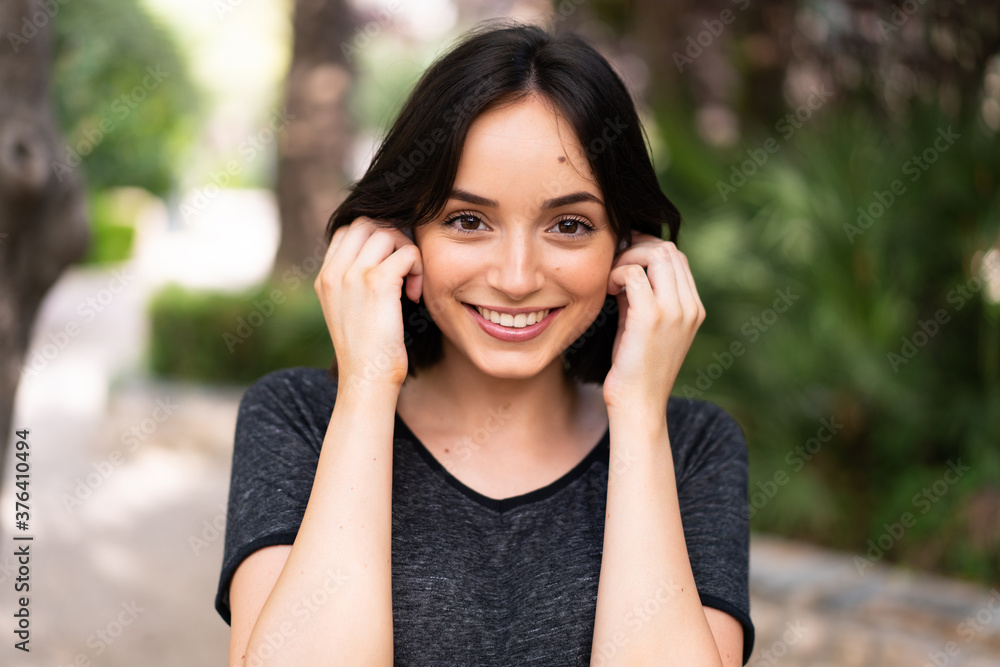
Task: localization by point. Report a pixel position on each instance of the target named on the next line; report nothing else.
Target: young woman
(493, 472)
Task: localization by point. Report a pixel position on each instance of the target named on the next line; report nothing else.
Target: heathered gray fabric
(478, 581)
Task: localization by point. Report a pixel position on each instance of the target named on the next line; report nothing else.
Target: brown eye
(568, 226)
(464, 223)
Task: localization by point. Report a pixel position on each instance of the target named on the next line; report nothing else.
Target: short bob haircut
(411, 175)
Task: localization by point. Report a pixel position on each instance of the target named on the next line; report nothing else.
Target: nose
(514, 267)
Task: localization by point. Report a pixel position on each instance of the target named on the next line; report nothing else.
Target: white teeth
(518, 321)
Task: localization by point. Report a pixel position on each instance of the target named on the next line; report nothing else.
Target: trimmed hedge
(236, 338)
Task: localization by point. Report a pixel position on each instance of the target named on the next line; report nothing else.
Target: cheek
(445, 270)
(587, 277)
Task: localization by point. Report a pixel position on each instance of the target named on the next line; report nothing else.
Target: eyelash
(586, 228)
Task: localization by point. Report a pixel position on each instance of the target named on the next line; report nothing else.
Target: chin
(513, 369)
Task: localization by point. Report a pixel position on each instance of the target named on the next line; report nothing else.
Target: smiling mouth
(518, 321)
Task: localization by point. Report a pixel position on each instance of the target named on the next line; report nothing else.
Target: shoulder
(290, 403)
(290, 384)
(702, 432)
(289, 391)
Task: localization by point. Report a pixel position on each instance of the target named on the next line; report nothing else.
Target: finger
(693, 289)
(380, 244)
(342, 255)
(664, 281)
(324, 274)
(405, 264)
(653, 255)
(632, 278)
(643, 237)
(414, 276)
(682, 287)
(335, 240)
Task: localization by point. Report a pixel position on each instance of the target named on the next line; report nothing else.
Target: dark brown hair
(412, 173)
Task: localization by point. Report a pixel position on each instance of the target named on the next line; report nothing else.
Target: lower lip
(510, 333)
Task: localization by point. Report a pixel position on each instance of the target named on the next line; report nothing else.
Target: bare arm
(330, 597)
(648, 608)
(327, 600)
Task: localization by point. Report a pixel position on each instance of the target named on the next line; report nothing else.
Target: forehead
(527, 144)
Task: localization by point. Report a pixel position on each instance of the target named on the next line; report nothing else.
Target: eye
(464, 222)
(574, 227)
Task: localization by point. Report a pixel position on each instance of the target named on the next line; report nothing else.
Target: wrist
(363, 391)
(638, 421)
(644, 407)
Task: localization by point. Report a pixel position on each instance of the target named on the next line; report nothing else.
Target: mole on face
(562, 158)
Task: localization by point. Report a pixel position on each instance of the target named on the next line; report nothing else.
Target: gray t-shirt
(476, 580)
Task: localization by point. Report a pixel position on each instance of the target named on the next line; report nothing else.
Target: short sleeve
(275, 453)
(710, 459)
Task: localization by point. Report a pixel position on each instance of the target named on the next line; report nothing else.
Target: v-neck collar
(599, 452)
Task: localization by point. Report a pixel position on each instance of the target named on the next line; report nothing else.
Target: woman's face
(516, 264)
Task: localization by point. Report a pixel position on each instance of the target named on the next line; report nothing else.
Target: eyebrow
(555, 202)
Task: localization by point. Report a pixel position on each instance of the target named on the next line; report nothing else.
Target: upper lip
(515, 311)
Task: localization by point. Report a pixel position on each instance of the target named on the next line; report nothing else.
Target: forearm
(648, 608)
(332, 603)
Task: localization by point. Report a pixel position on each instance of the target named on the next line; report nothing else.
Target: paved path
(129, 481)
(813, 607)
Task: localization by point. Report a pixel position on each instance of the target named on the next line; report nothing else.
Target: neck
(455, 396)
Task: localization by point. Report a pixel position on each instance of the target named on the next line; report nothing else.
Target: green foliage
(891, 334)
(121, 95)
(236, 338)
(111, 229)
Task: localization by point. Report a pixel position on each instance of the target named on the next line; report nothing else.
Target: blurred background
(167, 168)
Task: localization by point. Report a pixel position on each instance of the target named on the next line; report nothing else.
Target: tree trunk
(316, 141)
(43, 225)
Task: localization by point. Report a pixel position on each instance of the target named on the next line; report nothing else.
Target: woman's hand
(659, 312)
(359, 287)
